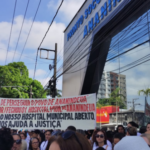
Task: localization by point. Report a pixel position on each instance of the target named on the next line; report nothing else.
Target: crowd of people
(73, 139)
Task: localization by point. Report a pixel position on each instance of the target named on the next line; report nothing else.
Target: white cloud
(68, 9)
(44, 81)
(55, 35)
(39, 72)
(137, 78)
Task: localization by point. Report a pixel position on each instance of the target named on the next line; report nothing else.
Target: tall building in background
(109, 82)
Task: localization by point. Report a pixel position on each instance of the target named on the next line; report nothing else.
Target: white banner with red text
(53, 113)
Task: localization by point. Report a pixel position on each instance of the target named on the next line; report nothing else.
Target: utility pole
(52, 82)
(116, 114)
(133, 109)
(30, 91)
(55, 69)
(133, 103)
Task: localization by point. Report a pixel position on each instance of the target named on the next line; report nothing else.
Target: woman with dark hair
(69, 140)
(34, 144)
(148, 127)
(121, 129)
(41, 137)
(23, 136)
(99, 139)
(47, 137)
(6, 139)
(117, 137)
(142, 129)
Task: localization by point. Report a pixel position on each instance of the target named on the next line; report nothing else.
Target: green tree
(17, 74)
(58, 94)
(98, 105)
(145, 92)
(115, 98)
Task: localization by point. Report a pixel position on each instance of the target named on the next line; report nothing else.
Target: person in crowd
(109, 135)
(29, 133)
(84, 134)
(36, 133)
(146, 138)
(132, 143)
(148, 127)
(121, 129)
(100, 148)
(81, 132)
(54, 134)
(72, 128)
(131, 131)
(34, 144)
(142, 130)
(23, 136)
(117, 137)
(41, 138)
(99, 139)
(47, 137)
(6, 139)
(69, 140)
(17, 142)
(107, 139)
(133, 124)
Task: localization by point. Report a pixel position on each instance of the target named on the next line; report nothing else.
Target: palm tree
(117, 98)
(145, 92)
(98, 105)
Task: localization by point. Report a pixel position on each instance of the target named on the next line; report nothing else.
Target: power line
(21, 29)
(24, 56)
(30, 29)
(81, 43)
(11, 30)
(109, 52)
(70, 66)
(45, 36)
(105, 34)
(51, 23)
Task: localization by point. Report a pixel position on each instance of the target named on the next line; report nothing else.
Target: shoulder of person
(94, 146)
(107, 147)
(43, 142)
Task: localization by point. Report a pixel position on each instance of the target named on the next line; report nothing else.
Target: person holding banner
(47, 137)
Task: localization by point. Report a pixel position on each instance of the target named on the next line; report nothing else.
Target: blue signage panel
(107, 7)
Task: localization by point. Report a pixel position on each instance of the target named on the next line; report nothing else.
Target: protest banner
(54, 113)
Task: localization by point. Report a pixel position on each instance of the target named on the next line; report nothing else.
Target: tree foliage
(58, 93)
(145, 92)
(17, 74)
(115, 98)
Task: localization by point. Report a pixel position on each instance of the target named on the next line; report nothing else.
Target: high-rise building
(109, 82)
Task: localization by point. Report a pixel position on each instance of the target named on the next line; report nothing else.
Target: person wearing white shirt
(99, 140)
(47, 137)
